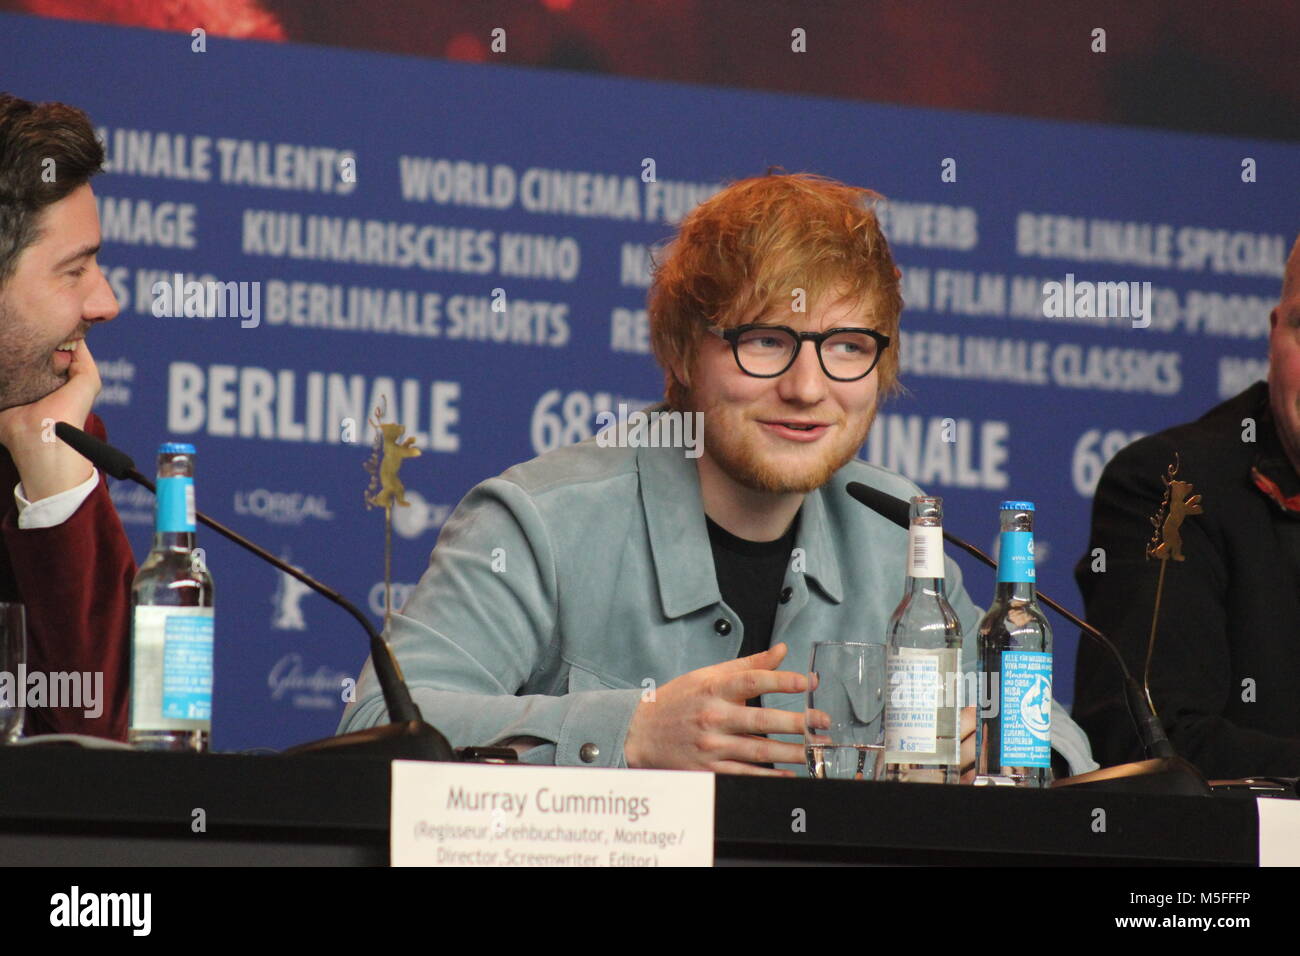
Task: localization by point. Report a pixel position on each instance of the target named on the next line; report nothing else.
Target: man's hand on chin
(46, 465)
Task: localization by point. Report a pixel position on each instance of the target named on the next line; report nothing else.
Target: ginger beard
(743, 413)
(736, 441)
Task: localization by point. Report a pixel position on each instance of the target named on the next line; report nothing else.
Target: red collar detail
(1270, 488)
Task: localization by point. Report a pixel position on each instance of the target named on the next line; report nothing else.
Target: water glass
(844, 719)
(13, 661)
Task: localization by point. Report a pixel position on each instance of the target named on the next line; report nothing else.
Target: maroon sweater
(75, 581)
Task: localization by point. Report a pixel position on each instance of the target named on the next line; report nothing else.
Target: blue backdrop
(380, 201)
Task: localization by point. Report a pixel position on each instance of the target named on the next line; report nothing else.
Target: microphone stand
(408, 736)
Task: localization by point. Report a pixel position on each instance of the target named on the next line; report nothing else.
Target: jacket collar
(1272, 471)
(679, 538)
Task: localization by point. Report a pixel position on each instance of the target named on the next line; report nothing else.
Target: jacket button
(786, 594)
(589, 753)
(722, 626)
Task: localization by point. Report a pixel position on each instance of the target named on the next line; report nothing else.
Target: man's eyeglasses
(766, 351)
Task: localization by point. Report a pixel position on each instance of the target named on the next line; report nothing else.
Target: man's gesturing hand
(699, 721)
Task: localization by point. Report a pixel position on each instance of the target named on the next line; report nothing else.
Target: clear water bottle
(923, 663)
(171, 621)
(1013, 741)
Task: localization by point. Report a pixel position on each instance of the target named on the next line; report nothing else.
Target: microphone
(408, 736)
(1154, 740)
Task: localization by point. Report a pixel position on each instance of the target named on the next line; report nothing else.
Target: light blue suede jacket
(558, 590)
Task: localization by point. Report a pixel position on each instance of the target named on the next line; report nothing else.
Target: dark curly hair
(47, 150)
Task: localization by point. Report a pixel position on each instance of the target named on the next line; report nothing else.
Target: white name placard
(1279, 831)
(449, 814)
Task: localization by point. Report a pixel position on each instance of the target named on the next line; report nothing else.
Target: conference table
(73, 807)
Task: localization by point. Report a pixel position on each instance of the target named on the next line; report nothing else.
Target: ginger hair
(746, 250)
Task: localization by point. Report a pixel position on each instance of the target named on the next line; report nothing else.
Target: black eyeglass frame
(732, 337)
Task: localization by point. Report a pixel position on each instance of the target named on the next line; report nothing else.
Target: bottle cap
(175, 448)
(1017, 506)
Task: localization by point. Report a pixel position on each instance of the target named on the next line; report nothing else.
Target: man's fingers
(748, 748)
(83, 370)
(791, 754)
(764, 660)
(768, 720)
(751, 749)
(752, 683)
(815, 719)
(778, 751)
(748, 769)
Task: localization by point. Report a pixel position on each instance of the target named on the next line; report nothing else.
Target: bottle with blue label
(171, 621)
(923, 662)
(1013, 743)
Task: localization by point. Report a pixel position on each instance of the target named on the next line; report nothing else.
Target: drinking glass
(844, 719)
(13, 660)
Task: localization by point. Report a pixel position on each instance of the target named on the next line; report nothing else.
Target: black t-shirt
(750, 577)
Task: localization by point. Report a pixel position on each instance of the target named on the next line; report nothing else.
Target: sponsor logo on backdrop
(266, 164)
(629, 331)
(1091, 453)
(134, 504)
(1154, 245)
(1012, 361)
(928, 225)
(282, 507)
(116, 376)
(232, 401)
(954, 452)
(146, 222)
(419, 516)
(319, 305)
(1238, 374)
(565, 418)
(400, 593)
(572, 192)
(305, 687)
(287, 601)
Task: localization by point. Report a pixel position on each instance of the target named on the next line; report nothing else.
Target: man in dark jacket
(1225, 675)
(63, 553)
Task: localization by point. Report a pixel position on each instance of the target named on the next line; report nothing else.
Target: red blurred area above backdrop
(1215, 67)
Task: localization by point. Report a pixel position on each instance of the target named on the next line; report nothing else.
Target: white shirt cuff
(56, 509)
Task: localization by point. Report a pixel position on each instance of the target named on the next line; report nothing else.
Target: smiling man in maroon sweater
(63, 553)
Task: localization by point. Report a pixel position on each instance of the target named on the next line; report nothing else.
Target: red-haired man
(619, 606)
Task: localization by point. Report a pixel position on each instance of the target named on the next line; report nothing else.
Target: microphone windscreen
(100, 454)
(887, 506)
